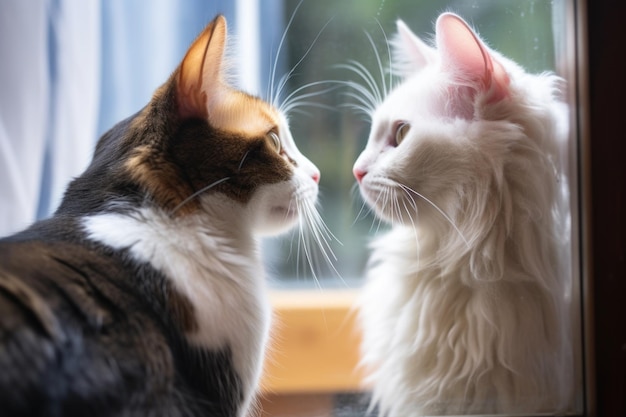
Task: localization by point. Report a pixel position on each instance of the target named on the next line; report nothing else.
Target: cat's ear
(200, 82)
(464, 53)
(410, 53)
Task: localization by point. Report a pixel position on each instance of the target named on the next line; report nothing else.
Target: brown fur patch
(243, 114)
(196, 131)
(209, 154)
(149, 168)
(171, 158)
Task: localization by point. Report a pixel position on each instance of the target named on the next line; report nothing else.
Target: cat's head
(202, 147)
(464, 130)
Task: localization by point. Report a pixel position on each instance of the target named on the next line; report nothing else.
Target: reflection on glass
(493, 333)
(332, 133)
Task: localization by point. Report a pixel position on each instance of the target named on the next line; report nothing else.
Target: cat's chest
(219, 277)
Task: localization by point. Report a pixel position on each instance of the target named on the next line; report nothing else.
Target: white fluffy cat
(466, 301)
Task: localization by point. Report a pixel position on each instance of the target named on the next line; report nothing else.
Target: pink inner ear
(463, 52)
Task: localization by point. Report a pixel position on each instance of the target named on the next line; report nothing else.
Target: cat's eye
(402, 129)
(275, 141)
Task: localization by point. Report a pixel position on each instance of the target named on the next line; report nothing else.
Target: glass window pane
(324, 36)
(321, 37)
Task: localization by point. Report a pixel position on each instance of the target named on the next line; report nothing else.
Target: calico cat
(465, 307)
(144, 294)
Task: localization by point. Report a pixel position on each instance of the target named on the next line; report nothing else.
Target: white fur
(465, 308)
(220, 273)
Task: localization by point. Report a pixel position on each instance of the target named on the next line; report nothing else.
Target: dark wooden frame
(606, 36)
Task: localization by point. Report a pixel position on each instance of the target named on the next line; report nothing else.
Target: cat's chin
(390, 202)
(280, 220)
(284, 217)
(276, 220)
(287, 213)
(278, 207)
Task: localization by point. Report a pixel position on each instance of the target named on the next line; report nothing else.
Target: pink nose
(316, 177)
(359, 174)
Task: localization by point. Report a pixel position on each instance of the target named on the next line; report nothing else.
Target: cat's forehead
(401, 104)
(244, 114)
(416, 96)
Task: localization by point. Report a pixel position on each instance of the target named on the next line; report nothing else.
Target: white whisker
(307, 254)
(376, 218)
(285, 78)
(197, 193)
(390, 71)
(365, 101)
(293, 100)
(414, 227)
(245, 155)
(397, 205)
(385, 203)
(312, 226)
(445, 216)
(379, 62)
(370, 91)
(363, 206)
(273, 97)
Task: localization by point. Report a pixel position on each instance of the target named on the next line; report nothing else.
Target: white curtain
(49, 83)
(69, 70)
(142, 43)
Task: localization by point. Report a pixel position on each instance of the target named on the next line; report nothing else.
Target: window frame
(604, 193)
(602, 265)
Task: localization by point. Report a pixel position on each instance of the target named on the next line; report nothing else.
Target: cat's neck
(154, 227)
(508, 249)
(211, 261)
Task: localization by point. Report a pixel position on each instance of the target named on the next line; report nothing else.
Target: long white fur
(465, 308)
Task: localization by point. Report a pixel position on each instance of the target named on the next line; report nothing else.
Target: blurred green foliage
(332, 135)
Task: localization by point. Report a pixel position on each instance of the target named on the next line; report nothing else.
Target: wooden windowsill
(315, 343)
